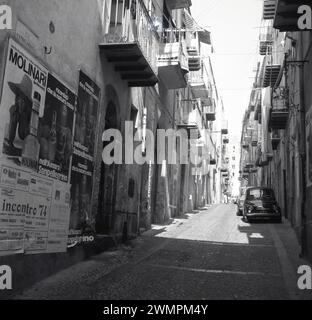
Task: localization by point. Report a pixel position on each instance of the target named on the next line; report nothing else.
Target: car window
(257, 194)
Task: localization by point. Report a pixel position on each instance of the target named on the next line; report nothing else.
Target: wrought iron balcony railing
(132, 45)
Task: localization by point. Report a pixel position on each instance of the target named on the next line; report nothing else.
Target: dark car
(260, 203)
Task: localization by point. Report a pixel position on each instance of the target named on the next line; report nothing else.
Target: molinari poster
(22, 102)
(55, 131)
(83, 158)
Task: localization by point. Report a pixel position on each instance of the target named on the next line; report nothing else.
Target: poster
(83, 159)
(25, 210)
(34, 212)
(59, 219)
(38, 216)
(22, 102)
(309, 146)
(12, 219)
(55, 131)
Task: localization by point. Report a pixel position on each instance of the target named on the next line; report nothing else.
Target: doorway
(108, 182)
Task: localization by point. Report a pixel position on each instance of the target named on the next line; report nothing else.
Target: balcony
(173, 65)
(269, 7)
(226, 140)
(192, 123)
(280, 109)
(132, 45)
(271, 75)
(275, 139)
(254, 138)
(286, 15)
(245, 146)
(266, 41)
(194, 59)
(278, 119)
(198, 81)
(270, 156)
(178, 4)
(210, 113)
(249, 165)
(224, 128)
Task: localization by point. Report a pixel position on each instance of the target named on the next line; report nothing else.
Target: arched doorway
(108, 182)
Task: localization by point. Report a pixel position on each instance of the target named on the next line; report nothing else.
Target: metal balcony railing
(173, 52)
(132, 44)
(280, 109)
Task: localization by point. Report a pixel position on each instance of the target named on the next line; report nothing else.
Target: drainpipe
(302, 148)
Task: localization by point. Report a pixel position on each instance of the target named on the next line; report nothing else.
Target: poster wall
(22, 102)
(36, 125)
(309, 146)
(83, 159)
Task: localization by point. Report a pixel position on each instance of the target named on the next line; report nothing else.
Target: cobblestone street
(209, 254)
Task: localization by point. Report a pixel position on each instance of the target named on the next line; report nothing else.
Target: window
(134, 118)
(255, 194)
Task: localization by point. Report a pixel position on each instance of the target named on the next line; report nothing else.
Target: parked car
(260, 203)
(240, 205)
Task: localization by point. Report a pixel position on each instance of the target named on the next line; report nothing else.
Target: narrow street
(209, 254)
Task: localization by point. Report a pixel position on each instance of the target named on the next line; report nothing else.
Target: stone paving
(209, 254)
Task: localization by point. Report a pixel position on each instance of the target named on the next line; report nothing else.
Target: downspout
(302, 149)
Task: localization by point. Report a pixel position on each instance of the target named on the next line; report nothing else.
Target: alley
(207, 254)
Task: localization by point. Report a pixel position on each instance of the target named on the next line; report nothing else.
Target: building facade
(85, 92)
(276, 143)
